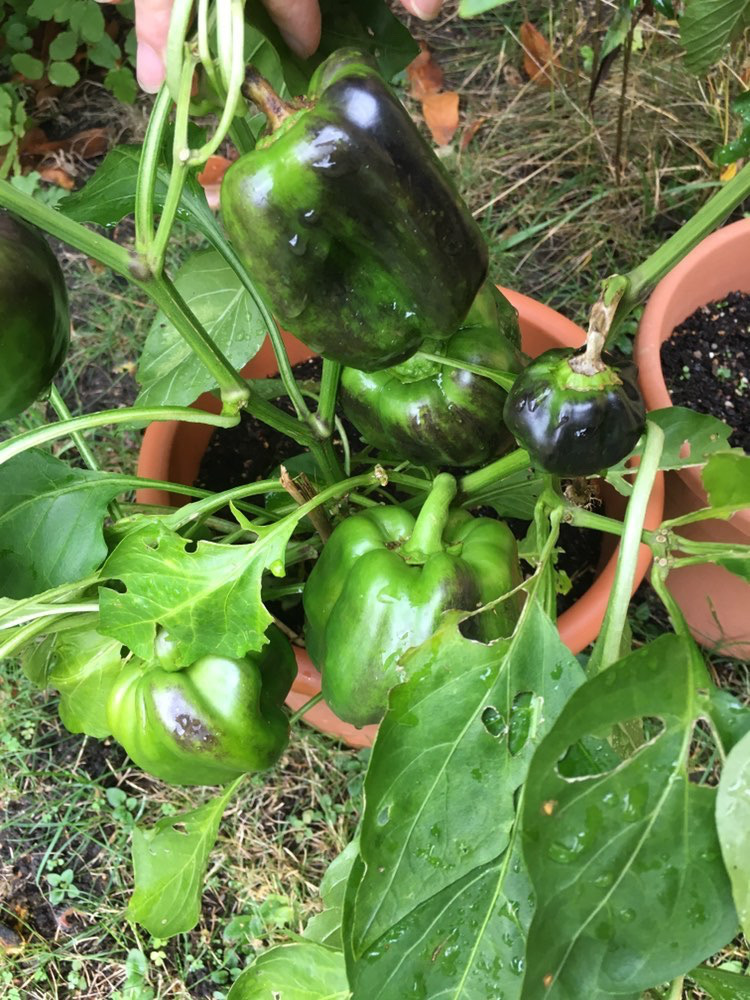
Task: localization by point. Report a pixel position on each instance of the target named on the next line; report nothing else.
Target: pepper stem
(600, 320)
(258, 90)
(427, 536)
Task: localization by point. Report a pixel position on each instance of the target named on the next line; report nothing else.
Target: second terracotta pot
(173, 452)
(715, 602)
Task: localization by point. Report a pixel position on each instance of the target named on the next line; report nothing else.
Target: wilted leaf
(470, 131)
(425, 75)
(441, 114)
(538, 57)
(58, 176)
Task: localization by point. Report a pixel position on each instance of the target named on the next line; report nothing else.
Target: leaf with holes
(443, 897)
(169, 862)
(169, 372)
(733, 823)
(207, 595)
(690, 438)
(51, 522)
(300, 971)
(626, 865)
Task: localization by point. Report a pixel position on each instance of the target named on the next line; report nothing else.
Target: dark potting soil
(706, 364)
(252, 451)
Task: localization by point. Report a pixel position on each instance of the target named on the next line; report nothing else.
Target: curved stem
(504, 379)
(148, 166)
(329, 387)
(607, 646)
(126, 415)
(427, 535)
(179, 22)
(296, 716)
(473, 484)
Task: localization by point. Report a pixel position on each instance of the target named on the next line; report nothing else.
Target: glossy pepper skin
(382, 583)
(35, 329)
(573, 424)
(435, 414)
(349, 223)
(207, 723)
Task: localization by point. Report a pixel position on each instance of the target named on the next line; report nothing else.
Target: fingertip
(425, 10)
(150, 68)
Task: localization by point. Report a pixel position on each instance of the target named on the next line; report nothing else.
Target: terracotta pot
(173, 452)
(714, 601)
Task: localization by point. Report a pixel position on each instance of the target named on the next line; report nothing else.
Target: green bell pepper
(382, 583)
(349, 223)
(436, 414)
(36, 322)
(207, 723)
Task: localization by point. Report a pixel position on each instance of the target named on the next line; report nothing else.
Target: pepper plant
(533, 825)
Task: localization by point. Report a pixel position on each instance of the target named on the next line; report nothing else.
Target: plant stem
(126, 415)
(607, 646)
(504, 379)
(305, 708)
(258, 90)
(148, 166)
(474, 483)
(427, 534)
(329, 387)
(641, 280)
(63, 413)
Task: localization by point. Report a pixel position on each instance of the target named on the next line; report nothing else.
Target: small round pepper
(209, 722)
(35, 328)
(575, 424)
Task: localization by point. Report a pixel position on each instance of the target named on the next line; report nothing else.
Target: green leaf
(88, 20)
(169, 862)
(82, 665)
(726, 479)
(721, 985)
(512, 496)
(121, 82)
(733, 824)
(43, 9)
(325, 927)
(51, 520)
(626, 865)
(706, 28)
(27, 66)
(63, 74)
(105, 53)
(169, 372)
(110, 195)
(64, 46)
(444, 897)
(690, 438)
(300, 971)
(207, 595)
(470, 8)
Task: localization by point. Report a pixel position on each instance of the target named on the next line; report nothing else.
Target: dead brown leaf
(538, 57)
(58, 176)
(441, 115)
(424, 74)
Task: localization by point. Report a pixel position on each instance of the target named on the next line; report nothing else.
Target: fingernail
(150, 68)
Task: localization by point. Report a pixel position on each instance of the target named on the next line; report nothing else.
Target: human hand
(297, 20)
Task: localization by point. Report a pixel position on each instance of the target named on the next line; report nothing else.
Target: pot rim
(650, 336)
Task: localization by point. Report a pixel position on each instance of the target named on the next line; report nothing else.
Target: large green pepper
(35, 328)
(382, 583)
(573, 423)
(207, 723)
(349, 223)
(433, 413)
